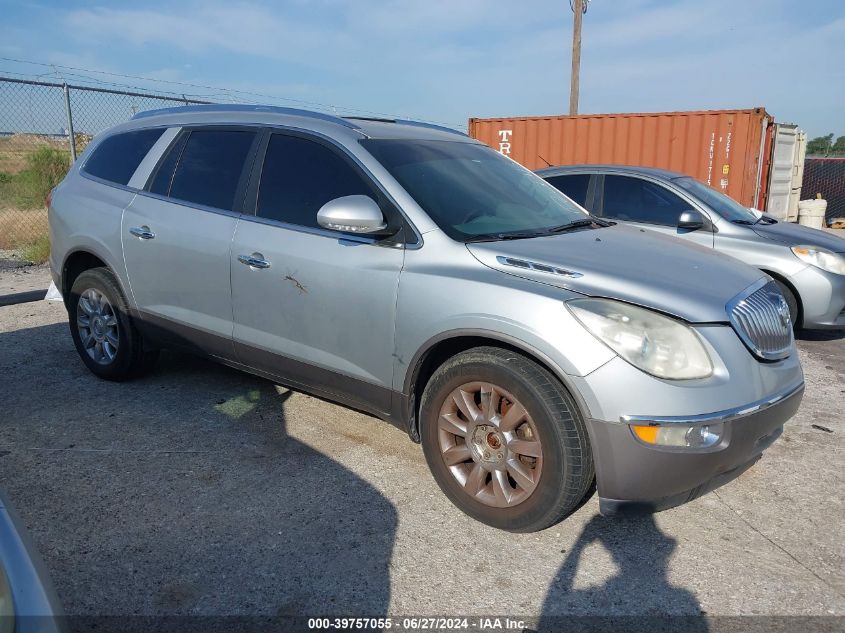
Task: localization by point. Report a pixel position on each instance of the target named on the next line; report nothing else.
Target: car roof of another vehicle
(629, 169)
(330, 124)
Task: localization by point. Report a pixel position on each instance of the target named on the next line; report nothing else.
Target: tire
(505, 488)
(791, 301)
(106, 339)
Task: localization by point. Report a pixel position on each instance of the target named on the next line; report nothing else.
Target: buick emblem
(783, 313)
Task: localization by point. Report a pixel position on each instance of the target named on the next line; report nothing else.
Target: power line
(217, 90)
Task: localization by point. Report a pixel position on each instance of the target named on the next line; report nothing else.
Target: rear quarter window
(118, 156)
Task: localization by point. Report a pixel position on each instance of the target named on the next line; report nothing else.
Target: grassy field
(21, 227)
(16, 149)
(30, 166)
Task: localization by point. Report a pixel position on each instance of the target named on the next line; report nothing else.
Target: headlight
(656, 344)
(821, 258)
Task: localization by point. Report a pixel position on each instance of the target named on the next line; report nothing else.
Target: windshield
(727, 207)
(471, 191)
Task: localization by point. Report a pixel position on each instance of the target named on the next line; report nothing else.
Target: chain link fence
(43, 128)
(827, 177)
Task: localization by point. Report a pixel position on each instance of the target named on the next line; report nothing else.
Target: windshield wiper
(743, 222)
(764, 220)
(497, 237)
(577, 224)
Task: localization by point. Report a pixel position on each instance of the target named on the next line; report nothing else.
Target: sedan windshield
(472, 192)
(727, 207)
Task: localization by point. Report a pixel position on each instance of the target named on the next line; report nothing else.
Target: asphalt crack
(776, 546)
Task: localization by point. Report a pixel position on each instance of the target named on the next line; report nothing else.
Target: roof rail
(432, 126)
(236, 107)
(378, 119)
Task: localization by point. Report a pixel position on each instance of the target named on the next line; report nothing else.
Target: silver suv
(411, 272)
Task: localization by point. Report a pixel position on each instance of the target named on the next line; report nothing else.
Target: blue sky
(448, 60)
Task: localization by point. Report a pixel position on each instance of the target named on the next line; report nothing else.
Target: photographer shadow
(639, 597)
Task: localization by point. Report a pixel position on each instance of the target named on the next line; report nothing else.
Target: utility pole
(579, 7)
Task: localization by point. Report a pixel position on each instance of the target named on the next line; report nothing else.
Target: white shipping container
(782, 170)
(797, 176)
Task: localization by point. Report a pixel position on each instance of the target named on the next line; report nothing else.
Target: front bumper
(633, 476)
(822, 296)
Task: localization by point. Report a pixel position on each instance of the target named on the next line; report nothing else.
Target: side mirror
(691, 220)
(352, 214)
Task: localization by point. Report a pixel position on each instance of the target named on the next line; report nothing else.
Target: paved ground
(201, 490)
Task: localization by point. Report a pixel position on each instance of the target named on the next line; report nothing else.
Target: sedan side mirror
(352, 214)
(691, 220)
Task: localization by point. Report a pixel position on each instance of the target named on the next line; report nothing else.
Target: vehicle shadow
(639, 597)
(820, 335)
(183, 493)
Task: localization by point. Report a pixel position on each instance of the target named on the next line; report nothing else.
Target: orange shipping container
(726, 149)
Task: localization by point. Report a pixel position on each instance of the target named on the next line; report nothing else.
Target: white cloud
(239, 28)
(663, 22)
(732, 58)
(447, 60)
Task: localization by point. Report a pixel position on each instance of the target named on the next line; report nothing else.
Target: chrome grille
(760, 316)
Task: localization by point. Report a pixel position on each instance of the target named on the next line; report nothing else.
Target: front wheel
(791, 301)
(505, 440)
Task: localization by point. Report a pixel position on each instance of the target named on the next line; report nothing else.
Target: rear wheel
(505, 440)
(106, 339)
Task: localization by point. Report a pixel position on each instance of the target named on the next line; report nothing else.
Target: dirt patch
(15, 149)
(20, 276)
(10, 260)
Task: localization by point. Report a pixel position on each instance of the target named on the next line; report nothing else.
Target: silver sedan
(807, 264)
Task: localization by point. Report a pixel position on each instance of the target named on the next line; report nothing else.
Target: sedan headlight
(656, 344)
(821, 258)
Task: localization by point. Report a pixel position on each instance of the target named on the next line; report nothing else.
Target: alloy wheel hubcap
(490, 444)
(97, 325)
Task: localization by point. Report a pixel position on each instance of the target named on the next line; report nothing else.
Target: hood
(656, 271)
(797, 235)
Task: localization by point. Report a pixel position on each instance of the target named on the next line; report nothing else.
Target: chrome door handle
(256, 260)
(142, 232)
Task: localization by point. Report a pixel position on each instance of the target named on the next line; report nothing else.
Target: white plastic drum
(811, 213)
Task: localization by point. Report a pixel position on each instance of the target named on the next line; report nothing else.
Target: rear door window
(630, 199)
(210, 169)
(164, 174)
(118, 156)
(574, 186)
(300, 176)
